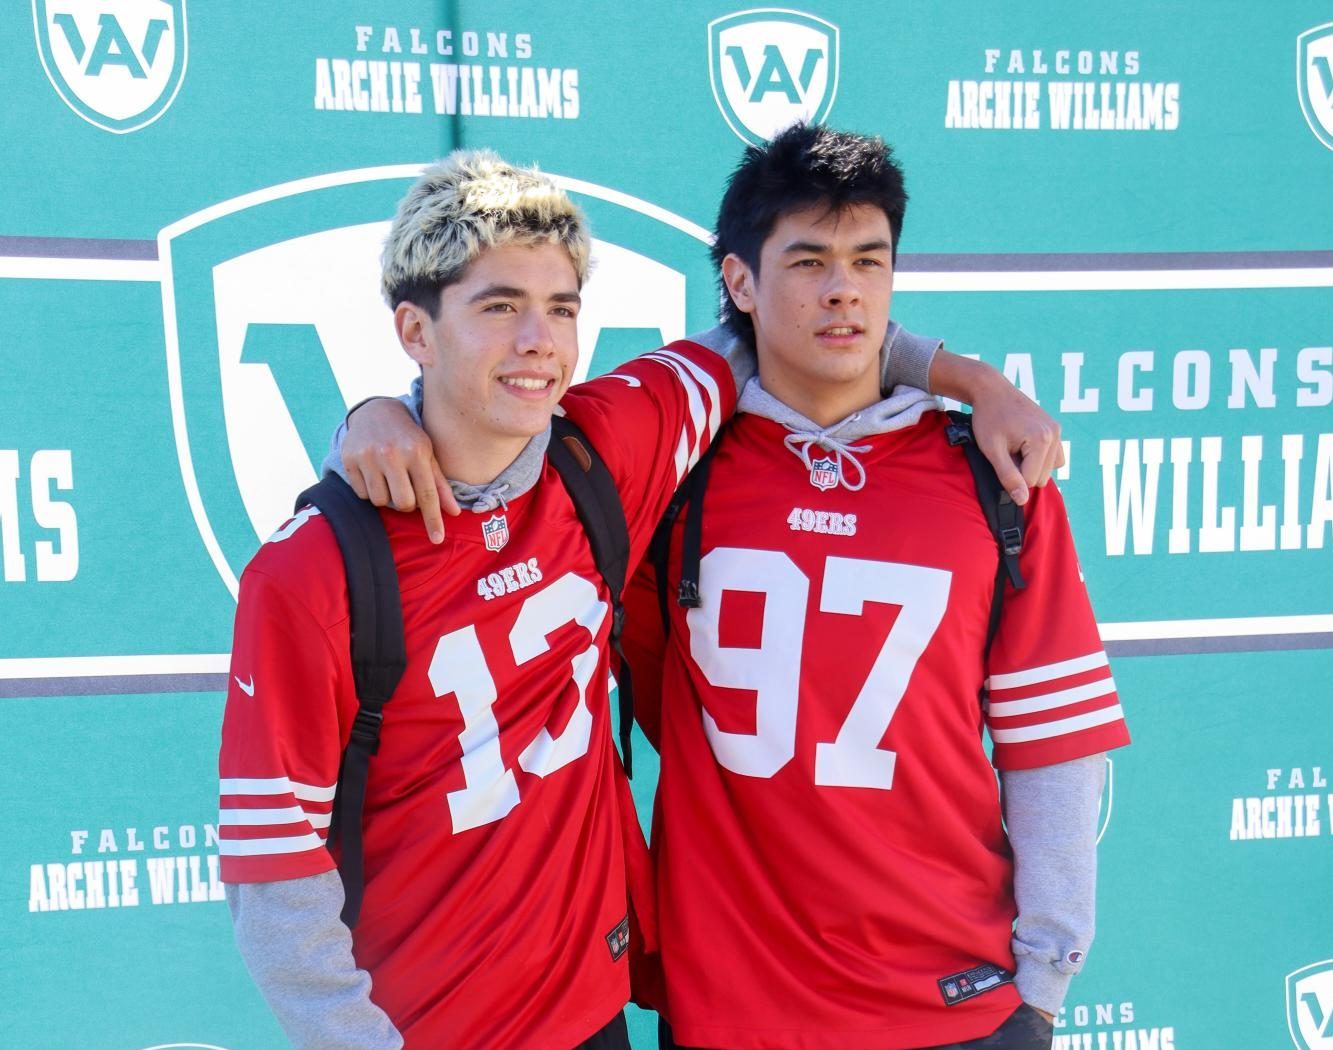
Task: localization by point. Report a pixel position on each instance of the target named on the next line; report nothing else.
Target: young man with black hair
(833, 870)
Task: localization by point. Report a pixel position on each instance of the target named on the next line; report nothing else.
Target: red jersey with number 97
(495, 877)
(830, 854)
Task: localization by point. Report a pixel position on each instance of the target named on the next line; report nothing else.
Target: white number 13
(490, 789)
(773, 670)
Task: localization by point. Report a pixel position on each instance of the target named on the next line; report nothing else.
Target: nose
(534, 334)
(840, 289)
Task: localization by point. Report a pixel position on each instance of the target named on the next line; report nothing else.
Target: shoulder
(300, 564)
(682, 371)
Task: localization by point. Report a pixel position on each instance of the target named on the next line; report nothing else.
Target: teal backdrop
(1124, 206)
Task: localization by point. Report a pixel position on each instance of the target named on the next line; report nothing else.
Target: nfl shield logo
(495, 531)
(770, 68)
(824, 474)
(1310, 1006)
(1314, 80)
(951, 990)
(117, 63)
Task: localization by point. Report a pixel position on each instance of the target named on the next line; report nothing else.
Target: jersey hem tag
(967, 984)
(618, 939)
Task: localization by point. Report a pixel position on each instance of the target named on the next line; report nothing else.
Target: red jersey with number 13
(495, 881)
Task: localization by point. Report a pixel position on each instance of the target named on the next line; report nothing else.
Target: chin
(529, 426)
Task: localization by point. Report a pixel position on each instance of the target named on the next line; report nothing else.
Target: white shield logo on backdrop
(770, 68)
(116, 63)
(274, 325)
(1314, 80)
(1310, 1006)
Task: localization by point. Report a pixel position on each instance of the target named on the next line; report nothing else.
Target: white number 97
(773, 670)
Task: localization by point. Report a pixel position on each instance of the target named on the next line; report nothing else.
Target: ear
(740, 282)
(413, 325)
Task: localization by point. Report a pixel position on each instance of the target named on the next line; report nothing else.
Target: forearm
(299, 953)
(1051, 816)
(964, 379)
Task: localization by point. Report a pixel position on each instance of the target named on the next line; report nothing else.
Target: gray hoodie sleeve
(905, 359)
(1051, 815)
(299, 953)
(333, 462)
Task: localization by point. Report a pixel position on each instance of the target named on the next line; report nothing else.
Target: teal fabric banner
(1124, 207)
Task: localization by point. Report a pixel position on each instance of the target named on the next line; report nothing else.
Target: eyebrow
(811, 248)
(505, 291)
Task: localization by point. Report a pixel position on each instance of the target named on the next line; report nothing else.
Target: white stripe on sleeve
(258, 817)
(1034, 675)
(270, 847)
(1049, 701)
(705, 380)
(693, 380)
(1046, 730)
(277, 786)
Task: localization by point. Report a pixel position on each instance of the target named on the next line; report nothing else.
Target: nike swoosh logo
(248, 688)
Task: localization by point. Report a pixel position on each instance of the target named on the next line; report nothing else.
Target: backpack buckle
(958, 433)
(366, 728)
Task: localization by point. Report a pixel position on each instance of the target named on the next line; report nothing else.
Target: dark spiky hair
(805, 165)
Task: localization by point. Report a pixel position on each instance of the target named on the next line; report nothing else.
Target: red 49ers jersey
(827, 834)
(495, 875)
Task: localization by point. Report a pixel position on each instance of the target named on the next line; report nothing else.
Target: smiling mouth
(841, 330)
(524, 383)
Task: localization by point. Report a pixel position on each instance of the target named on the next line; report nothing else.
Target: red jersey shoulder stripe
(697, 384)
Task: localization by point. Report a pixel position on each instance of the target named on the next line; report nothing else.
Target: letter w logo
(773, 74)
(112, 46)
(770, 68)
(1310, 1006)
(117, 63)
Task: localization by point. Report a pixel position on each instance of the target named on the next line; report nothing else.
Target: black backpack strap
(659, 550)
(1003, 515)
(690, 497)
(597, 503)
(379, 658)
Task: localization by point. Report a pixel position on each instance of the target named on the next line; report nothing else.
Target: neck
(823, 404)
(464, 452)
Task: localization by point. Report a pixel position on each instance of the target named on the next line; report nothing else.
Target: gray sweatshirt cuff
(1051, 817)
(333, 462)
(905, 359)
(299, 953)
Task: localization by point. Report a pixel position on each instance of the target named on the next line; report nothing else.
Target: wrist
(962, 378)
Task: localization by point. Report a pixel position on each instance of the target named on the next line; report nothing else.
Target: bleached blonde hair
(470, 201)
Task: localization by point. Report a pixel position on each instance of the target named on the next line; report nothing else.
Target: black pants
(1025, 1030)
(615, 1036)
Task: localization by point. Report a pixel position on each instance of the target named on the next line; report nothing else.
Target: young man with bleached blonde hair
(494, 910)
